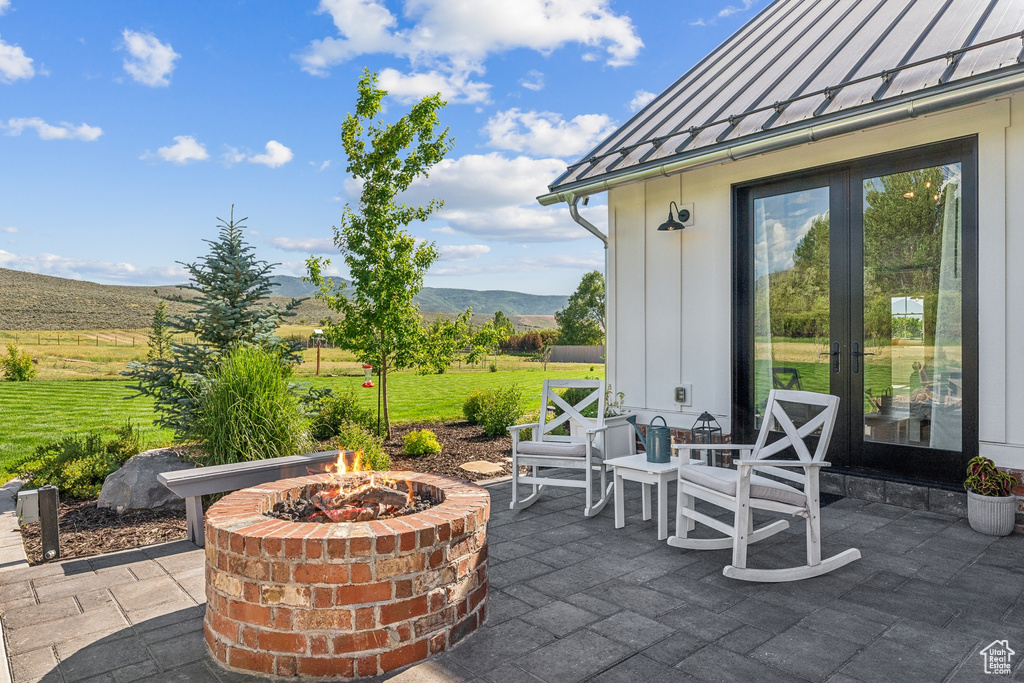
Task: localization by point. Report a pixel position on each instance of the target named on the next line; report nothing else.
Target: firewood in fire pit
(375, 495)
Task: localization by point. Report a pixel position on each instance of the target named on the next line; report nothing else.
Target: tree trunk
(384, 392)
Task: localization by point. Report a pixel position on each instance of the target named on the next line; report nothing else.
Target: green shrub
(422, 442)
(352, 437)
(15, 366)
(78, 464)
(329, 411)
(501, 409)
(247, 410)
(529, 418)
(473, 407)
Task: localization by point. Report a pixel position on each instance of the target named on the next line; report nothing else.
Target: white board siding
(627, 261)
(698, 345)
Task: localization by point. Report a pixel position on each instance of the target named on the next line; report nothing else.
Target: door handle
(855, 354)
(834, 353)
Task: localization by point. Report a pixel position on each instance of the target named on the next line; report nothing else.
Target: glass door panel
(911, 360)
(791, 294)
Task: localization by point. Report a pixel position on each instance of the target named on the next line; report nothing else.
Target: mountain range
(29, 301)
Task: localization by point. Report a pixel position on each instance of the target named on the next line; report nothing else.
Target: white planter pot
(992, 515)
(618, 438)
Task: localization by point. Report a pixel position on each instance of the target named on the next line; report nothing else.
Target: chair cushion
(724, 481)
(557, 448)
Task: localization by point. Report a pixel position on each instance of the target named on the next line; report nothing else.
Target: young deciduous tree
(444, 338)
(231, 310)
(582, 319)
(386, 265)
(160, 334)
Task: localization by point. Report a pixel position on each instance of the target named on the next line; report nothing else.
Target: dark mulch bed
(88, 530)
(462, 441)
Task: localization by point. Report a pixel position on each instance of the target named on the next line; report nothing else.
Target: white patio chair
(742, 491)
(582, 449)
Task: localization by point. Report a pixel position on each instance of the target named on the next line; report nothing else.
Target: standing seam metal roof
(799, 60)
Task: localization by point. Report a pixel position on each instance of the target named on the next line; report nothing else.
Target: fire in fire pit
(355, 494)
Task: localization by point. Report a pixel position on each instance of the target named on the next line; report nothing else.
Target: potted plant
(991, 505)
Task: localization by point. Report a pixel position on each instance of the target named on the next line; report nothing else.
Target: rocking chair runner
(742, 491)
(545, 449)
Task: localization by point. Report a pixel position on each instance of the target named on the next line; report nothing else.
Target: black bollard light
(49, 504)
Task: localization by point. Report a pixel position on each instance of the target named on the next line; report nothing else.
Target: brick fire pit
(343, 600)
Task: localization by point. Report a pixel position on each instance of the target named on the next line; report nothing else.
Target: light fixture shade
(671, 223)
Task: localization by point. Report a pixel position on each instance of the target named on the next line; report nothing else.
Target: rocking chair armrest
(530, 425)
(595, 430)
(783, 463)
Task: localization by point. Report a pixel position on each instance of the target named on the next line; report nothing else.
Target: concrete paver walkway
(574, 599)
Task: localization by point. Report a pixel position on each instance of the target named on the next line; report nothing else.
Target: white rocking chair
(742, 491)
(583, 450)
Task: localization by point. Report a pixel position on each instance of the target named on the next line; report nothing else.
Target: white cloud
(276, 155)
(463, 252)
(454, 87)
(698, 22)
(232, 156)
(314, 245)
(86, 269)
(546, 132)
(184, 150)
(493, 197)
(641, 98)
(4, 6)
(323, 167)
(534, 80)
(14, 64)
(46, 131)
(150, 62)
(9, 228)
(447, 41)
(733, 9)
(444, 230)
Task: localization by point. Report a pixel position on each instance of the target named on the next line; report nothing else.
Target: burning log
(363, 496)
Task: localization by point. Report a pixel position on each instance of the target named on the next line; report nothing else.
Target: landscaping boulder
(135, 486)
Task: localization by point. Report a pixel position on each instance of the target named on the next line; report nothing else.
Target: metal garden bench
(203, 481)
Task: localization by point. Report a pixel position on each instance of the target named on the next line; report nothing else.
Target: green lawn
(33, 413)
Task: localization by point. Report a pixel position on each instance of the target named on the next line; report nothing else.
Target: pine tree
(160, 335)
(230, 310)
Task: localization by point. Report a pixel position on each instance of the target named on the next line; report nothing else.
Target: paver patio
(574, 599)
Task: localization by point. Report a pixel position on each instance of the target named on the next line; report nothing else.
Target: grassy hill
(443, 300)
(42, 302)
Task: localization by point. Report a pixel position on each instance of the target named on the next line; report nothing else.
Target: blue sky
(126, 128)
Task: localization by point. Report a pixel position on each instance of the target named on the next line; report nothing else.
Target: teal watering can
(658, 443)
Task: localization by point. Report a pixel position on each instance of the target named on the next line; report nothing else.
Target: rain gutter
(783, 139)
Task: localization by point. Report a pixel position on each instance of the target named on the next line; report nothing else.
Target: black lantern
(706, 430)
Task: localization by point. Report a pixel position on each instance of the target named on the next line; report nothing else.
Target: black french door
(860, 280)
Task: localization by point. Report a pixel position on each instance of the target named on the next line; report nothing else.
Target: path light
(683, 216)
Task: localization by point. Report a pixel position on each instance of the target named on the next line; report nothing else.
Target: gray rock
(135, 486)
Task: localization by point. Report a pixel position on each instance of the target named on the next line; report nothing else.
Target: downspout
(575, 213)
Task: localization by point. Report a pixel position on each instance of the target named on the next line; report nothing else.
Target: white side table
(636, 468)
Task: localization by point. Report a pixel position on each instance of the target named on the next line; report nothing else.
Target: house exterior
(849, 177)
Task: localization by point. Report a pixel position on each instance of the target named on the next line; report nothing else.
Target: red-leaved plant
(985, 480)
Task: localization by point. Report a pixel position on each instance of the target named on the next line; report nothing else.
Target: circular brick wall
(343, 600)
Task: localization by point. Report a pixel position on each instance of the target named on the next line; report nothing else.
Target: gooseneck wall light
(677, 223)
